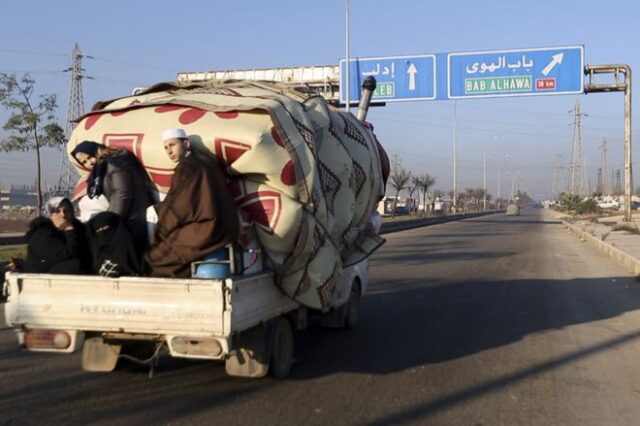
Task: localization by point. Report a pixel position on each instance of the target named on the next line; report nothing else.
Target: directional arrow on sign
(557, 59)
(412, 71)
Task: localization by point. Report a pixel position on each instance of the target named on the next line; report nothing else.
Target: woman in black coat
(120, 177)
(111, 246)
(57, 242)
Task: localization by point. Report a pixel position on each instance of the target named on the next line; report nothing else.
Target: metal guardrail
(12, 240)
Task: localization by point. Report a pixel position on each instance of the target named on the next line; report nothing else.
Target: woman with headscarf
(118, 175)
(56, 242)
(111, 247)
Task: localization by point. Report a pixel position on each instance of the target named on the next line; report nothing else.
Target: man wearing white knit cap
(176, 144)
(198, 215)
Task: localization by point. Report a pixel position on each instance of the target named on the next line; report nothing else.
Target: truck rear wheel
(264, 349)
(282, 346)
(353, 306)
(347, 315)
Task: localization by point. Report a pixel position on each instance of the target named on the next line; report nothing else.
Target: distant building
(17, 198)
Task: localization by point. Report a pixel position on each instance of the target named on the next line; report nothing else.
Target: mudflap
(98, 356)
(335, 318)
(252, 353)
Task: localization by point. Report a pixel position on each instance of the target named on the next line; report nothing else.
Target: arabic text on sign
(502, 63)
(385, 71)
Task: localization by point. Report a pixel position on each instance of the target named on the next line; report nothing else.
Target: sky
(131, 44)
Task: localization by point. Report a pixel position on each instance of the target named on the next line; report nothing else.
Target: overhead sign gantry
(441, 76)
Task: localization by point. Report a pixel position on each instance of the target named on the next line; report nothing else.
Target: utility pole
(599, 184)
(484, 178)
(558, 178)
(75, 108)
(578, 173)
(499, 178)
(604, 168)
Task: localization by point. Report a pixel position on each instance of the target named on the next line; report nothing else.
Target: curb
(624, 259)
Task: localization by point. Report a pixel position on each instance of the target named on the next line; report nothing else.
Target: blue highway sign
(398, 78)
(524, 72)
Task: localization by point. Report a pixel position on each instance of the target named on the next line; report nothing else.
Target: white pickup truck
(243, 320)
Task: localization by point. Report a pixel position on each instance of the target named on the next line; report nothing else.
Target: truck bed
(142, 305)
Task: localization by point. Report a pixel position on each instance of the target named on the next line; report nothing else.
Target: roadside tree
(424, 182)
(399, 177)
(32, 123)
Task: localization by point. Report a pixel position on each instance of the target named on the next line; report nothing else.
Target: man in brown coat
(198, 215)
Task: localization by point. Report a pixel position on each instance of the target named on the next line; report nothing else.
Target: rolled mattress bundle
(304, 176)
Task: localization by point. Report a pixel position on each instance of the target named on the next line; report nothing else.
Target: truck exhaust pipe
(368, 86)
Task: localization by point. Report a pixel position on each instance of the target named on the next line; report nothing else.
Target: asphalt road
(489, 321)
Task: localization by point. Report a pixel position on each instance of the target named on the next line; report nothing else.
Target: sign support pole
(455, 157)
(619, 85)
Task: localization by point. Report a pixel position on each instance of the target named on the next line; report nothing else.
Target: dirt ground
(14, 225)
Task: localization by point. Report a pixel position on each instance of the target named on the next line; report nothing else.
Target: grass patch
(625, 226)
(6, 253)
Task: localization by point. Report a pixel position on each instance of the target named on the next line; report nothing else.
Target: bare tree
(31, 125)
(473, 197)
(436, 194)
(410, 190)
(416, 183)
(398, 178)
(424, 182)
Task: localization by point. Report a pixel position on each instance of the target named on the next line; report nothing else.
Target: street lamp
(506, 157)
(347, 74)
(455, 156)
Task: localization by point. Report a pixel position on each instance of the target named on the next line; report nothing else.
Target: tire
(353, 306)
(282, 346)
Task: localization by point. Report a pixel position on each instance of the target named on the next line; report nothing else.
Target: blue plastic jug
(214, 265)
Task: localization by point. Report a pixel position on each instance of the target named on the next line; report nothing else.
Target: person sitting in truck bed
(56, 242)
(198, 215)
(112, 246)
(118, 175)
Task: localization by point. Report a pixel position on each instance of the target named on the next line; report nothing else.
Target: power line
(446, 126)
(31, 71)
(133, 64)
(33, 52)
(502, 121)
(111, 81)
(557, 114)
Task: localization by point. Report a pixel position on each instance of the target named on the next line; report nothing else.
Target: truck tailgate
(125, 304)
(253, 300)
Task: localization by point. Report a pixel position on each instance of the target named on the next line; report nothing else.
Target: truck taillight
(47, 339)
